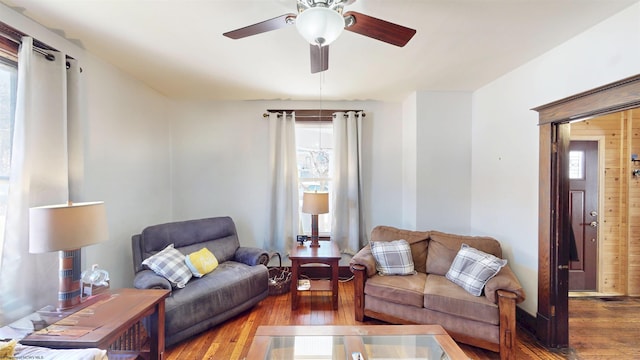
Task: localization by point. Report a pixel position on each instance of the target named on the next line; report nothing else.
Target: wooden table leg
(157, 332)
(334, 283)
(294, 284)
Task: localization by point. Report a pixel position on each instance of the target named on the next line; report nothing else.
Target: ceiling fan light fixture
(320, 25)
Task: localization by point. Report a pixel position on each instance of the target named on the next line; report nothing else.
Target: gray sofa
(428, 297)
(238, 283)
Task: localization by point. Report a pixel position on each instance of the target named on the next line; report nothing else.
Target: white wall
(410, 162)
(443, 161)
(505, 135)
(127, 163)
(220, 161)
(436, 157)
(126, 151)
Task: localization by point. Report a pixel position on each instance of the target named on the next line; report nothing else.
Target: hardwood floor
(599, 329)
(604, 328)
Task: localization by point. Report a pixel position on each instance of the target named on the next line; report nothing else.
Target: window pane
(314, 155)
(576, 165)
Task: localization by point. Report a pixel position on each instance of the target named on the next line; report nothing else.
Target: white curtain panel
(284, 204)
(76, 111)
(39, 176)
(347, 183)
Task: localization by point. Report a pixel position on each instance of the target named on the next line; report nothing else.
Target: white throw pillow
(393, 257)
(472, 268)
(169, 263)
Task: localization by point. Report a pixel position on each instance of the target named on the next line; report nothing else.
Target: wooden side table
(328, 254)
(110, 321)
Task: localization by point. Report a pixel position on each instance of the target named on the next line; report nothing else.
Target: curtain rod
(310, 114)
(13, 39)
(15, 35)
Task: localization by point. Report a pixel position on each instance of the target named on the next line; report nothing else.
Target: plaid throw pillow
(393, 257)
(472, 268)
(169, 263)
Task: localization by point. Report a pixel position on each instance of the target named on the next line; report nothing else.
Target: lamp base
(69, 279)
(314, 231)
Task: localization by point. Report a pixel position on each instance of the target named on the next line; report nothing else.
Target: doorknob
(594, 224)
(593, 213)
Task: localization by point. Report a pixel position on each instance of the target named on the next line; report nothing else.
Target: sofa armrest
(364, 258)
(359, 278)
(147, 279)
(504, 280)
(251, 256)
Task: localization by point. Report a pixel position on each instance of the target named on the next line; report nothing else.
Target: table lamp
(67, 228)
(315, 203)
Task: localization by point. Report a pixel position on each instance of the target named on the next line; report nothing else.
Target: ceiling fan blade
(319, 58)
(378, 29)
(261, 27)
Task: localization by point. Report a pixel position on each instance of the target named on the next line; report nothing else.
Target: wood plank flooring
(604, 328)
(599, 329)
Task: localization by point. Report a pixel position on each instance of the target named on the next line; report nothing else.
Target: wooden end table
(110, 321)
(328, 254)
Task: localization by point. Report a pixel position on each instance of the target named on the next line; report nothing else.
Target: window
(576, 164)
(314, 141)
(8, 83)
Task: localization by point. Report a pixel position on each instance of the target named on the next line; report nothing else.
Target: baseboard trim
(526, 321)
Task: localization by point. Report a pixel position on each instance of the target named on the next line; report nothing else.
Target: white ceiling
(177, 47)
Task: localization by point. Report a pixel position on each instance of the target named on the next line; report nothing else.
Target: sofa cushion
(444, 247)
(201, 262)
(405, 290)
(444, 296)
(418, 240)
(393, 257)
(472, 268)
(440, 258)
(217, 234)
(220, 291)
(169, 263)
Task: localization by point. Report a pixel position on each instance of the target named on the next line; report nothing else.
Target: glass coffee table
(364, 342)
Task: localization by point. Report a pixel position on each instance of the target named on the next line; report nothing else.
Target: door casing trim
(553, 325)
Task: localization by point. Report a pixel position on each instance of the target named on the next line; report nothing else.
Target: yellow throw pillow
(201, 262)
(7, 348)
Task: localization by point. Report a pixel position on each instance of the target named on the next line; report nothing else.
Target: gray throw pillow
(393, 257)
(472, 268)
(169, 263)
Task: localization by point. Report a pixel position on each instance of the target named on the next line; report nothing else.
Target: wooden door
(583, 210)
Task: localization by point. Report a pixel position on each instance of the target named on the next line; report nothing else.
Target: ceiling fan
(320, 22)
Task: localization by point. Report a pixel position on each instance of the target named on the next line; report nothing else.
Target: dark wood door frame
(553, 203)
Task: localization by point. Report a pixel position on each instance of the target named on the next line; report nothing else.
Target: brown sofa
(428, 297)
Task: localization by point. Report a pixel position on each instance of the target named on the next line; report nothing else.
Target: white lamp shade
(66, 226)
(319, 25)
(315, 203)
